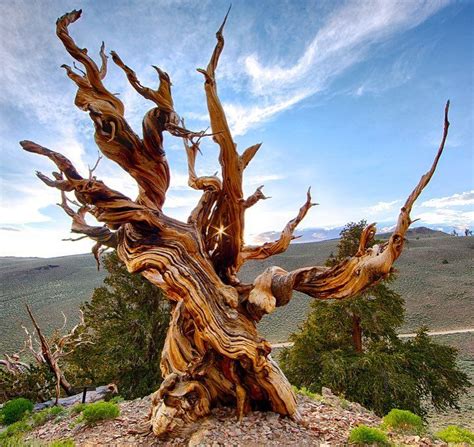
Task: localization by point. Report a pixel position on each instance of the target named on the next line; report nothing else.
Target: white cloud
(343, 40)
(447, 217)
(383, 206)
(22, 203)
(386, 229)
(40, 242)
(242, 117)
(187, 201)
(462, 199)
(260, 179)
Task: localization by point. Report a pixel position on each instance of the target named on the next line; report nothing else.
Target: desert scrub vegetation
(456, 435)
(116, 399)
(99, 411)
(62, 443)
(12, 436)
(77, 408)
(14, 431)
(14, 410)
(18, 441)
(303, 391)
(363, 435)
(41, 417)
(403, 421)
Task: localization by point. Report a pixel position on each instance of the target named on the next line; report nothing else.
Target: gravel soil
(325, 422)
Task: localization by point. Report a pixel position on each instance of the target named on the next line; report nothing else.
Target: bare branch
(72, 239)
(91, 170)
(195, 182)
(248, 155)
(353, 275)
(103, 57)
(161, 97)
(279, 246)
(255, 197)
(110, 206)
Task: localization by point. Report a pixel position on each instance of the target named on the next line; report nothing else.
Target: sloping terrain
(326, 421)
(435, 278)
(50, 286)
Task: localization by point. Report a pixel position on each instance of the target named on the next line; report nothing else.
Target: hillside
(437, 294)
(435, 278)
(49, 285)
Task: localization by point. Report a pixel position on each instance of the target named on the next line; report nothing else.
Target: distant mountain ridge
(323, 234)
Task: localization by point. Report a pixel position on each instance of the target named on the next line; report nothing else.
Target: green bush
(403, 421)
(41, 417)
(99, 411)
(13, 430)
(305, 392)
(363, 435)
(77, 408)
(62, 443)
(126, 323)
(13, 441)
(15, 409)
(36, 384)
(457, 435)
(116, 399)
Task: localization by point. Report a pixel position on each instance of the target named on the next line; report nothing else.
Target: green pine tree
(351, 347)
(125, 324)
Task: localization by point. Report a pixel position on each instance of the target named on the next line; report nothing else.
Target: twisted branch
(353, 275)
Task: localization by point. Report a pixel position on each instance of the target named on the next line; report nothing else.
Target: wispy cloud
(344, 39)
(448, 217)
(9, 229)
(383, 206)
(27, 87)
(462, 199)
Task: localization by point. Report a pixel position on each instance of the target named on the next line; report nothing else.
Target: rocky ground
(326, 422)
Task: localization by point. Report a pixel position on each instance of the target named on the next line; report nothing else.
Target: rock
(326, 392)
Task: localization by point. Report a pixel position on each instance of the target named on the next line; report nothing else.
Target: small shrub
(77, 408)
(444, 261)
(363, 435)
(456, 435)
(14, 430)
(344, 403)
(13, 441)
(62, 443)
(116, 399)
(403, 421)
(99, 411)
(15, 409)
(57, 410)
(305, 392)
(41, 417)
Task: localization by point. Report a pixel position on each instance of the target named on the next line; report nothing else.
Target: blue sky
(347, 97)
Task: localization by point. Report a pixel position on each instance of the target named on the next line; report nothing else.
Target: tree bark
(356, 333)
(213, 353)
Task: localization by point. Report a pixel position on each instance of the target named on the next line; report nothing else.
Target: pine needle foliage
(352, 347)
(125, 324)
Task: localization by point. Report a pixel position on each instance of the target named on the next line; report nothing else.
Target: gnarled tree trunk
(213, 353)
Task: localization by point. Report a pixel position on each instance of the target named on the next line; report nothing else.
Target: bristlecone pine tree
(213, 353)
(352, 347)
